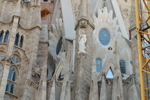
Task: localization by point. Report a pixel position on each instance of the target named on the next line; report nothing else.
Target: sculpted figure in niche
(82, 41)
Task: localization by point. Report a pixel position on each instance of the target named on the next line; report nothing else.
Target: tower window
(98, 65)
(16, 39)
(21, 41)
(6, 37)
(12, 77)
(104, 37)
(123, 66)
(1, 36)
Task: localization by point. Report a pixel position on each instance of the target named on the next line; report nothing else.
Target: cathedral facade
(68, 50)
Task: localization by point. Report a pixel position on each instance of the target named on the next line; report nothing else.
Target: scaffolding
(143, 41)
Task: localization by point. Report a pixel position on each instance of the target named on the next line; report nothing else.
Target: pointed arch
(16, 52)
(110, 73)
(108, 64)
(104, 5)
(1, 36)
(2, 49)
(16, 39)
(6, 37)
(12, 79)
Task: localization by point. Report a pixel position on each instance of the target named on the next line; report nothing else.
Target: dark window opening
(123, 66)
(1, 36)
(16, 39)
(59, 45)
(6, 37)
(21, 41)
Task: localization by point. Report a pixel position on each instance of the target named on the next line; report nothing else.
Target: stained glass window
(104, 37)
(15, 59)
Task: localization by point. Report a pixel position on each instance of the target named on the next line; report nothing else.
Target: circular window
(104, 37)
(59, 46)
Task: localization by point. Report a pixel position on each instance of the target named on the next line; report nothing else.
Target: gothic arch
(107, 65)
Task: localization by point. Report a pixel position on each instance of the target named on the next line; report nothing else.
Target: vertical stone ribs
(83, 68)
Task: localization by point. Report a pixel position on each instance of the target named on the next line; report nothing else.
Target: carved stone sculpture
(82, 41)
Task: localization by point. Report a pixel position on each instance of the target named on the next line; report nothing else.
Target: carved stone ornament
(36, 71)
(8, 59)
(32, 84)
(83, 24)
(82, 40)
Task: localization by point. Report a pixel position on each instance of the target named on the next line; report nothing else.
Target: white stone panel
(68, 19)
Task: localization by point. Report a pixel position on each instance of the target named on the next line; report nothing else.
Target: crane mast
(143, 41)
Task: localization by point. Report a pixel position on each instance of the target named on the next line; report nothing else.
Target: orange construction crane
(143, 41)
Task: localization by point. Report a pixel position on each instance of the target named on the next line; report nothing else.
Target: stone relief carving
(32, 84)
(83, 24)
(36, 72)
(82, 40)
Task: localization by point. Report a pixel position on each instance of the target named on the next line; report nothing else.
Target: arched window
(1, 36)
(123, 66)
(16, 39)
(21, 42)
(104, 36)
(104, 5)
(6, 37)
(8, 87)
(15, 59)
(12, 88)
(98, 65)
(12, 77)
(2, 55)
(12, 74)
(59, 46)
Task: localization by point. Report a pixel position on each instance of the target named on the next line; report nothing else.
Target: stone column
(44, 75)
(52, 94)
(103, 94)
(83, 62)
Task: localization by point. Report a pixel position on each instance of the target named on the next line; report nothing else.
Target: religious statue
(82, 41)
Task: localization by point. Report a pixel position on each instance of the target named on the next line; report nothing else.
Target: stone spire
(85, 14)
(83, 52)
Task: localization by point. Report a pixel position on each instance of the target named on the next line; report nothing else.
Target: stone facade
(68, 50)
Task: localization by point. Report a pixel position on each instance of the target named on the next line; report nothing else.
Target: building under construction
(74, 50)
